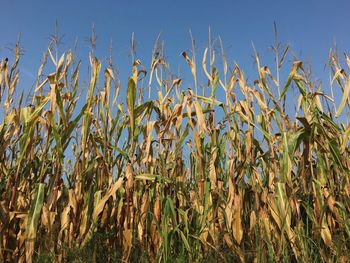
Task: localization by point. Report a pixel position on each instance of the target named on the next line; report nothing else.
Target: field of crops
(160, 170)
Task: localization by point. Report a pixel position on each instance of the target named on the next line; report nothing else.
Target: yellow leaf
(201, 119)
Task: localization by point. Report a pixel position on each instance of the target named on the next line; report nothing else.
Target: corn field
(171, 171)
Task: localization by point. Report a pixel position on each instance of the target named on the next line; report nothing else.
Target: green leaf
(130, 100)
(57, 137)
(210, 100)
(292, 74)
(35, 211)
(60, 105)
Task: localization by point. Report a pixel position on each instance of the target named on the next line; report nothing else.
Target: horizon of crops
(258, 183)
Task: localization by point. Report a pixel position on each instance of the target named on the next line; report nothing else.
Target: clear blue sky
(309, 26)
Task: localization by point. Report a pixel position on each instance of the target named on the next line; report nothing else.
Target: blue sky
(310, 27)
